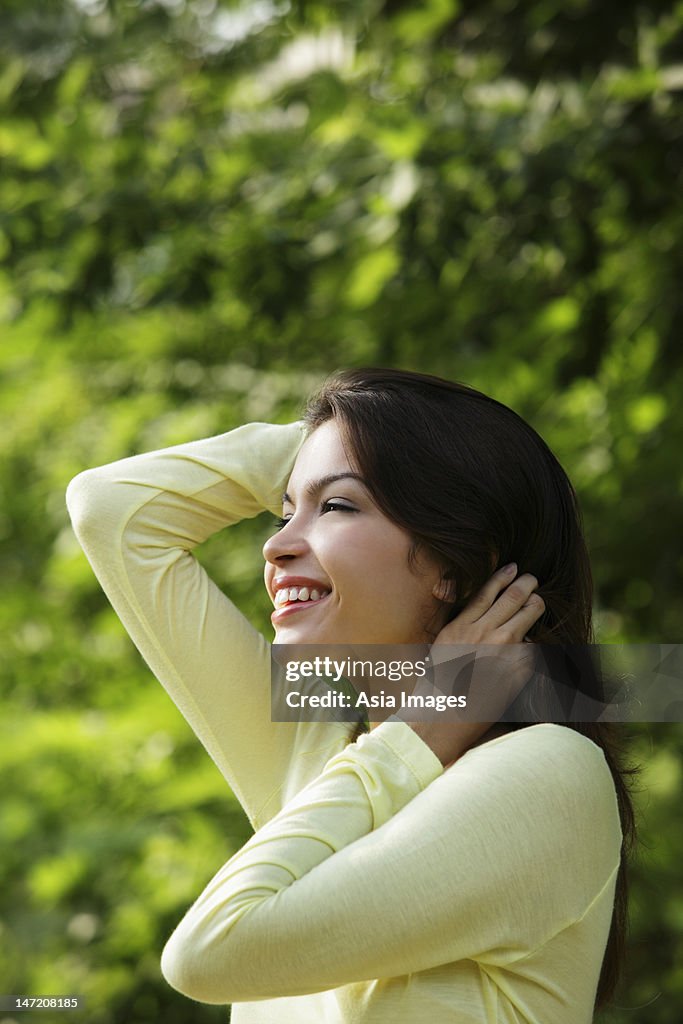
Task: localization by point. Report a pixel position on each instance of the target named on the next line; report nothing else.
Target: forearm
(224, 479)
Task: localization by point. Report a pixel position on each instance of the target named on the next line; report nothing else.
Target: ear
(444, 590)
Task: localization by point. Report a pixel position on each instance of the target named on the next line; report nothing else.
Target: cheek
(382, 555)
(371, 563)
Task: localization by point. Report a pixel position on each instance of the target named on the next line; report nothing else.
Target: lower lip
(294, 607)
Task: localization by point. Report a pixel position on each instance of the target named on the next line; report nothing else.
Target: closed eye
(334, 506)
(326, 506)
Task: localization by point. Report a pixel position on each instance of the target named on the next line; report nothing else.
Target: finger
(514, 597)
(519, 624)
(480, 603)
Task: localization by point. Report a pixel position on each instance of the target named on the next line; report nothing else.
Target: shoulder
(553, 781)
(552, 757)
(558, 743)
(542, 802)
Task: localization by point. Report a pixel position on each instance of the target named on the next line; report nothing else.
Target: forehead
(321, 454)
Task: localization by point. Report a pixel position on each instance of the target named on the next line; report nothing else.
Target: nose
(287, 543)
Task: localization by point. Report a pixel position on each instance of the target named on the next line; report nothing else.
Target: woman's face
(346, 560)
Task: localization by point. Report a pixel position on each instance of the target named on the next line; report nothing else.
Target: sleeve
(138, 520)
(386, 865)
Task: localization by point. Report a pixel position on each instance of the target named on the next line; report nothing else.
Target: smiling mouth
(301, 595)
(286, 607)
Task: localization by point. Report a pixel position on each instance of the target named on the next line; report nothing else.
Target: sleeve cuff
(404, 742)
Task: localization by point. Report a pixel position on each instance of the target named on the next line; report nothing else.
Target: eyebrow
(315, 486)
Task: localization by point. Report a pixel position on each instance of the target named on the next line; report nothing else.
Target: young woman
(450, 872)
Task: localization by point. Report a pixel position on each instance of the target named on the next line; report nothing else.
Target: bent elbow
(83, 499)
(90, 504)
(190, 970)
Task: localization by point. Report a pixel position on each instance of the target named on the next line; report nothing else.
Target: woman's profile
(409, 871)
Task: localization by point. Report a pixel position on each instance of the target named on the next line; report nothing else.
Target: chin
(292, 635)
(295, 635)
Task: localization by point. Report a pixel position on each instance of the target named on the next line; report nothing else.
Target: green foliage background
(204, 208)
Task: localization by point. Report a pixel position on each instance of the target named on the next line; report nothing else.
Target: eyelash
(330, 506)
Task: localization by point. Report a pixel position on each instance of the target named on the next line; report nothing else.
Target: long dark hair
(477, 487)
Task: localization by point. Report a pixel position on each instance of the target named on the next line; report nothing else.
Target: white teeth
(289, 594)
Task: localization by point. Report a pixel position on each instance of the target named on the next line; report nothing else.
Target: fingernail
(510, 569)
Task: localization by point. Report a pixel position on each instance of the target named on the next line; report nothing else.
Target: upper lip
(297, 581)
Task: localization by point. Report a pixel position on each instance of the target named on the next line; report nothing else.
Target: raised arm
(386, 865)
(138, 520)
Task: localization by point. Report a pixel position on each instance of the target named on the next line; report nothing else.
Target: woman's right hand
(500, 613)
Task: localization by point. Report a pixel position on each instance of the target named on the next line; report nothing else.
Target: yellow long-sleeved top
(377, 888)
